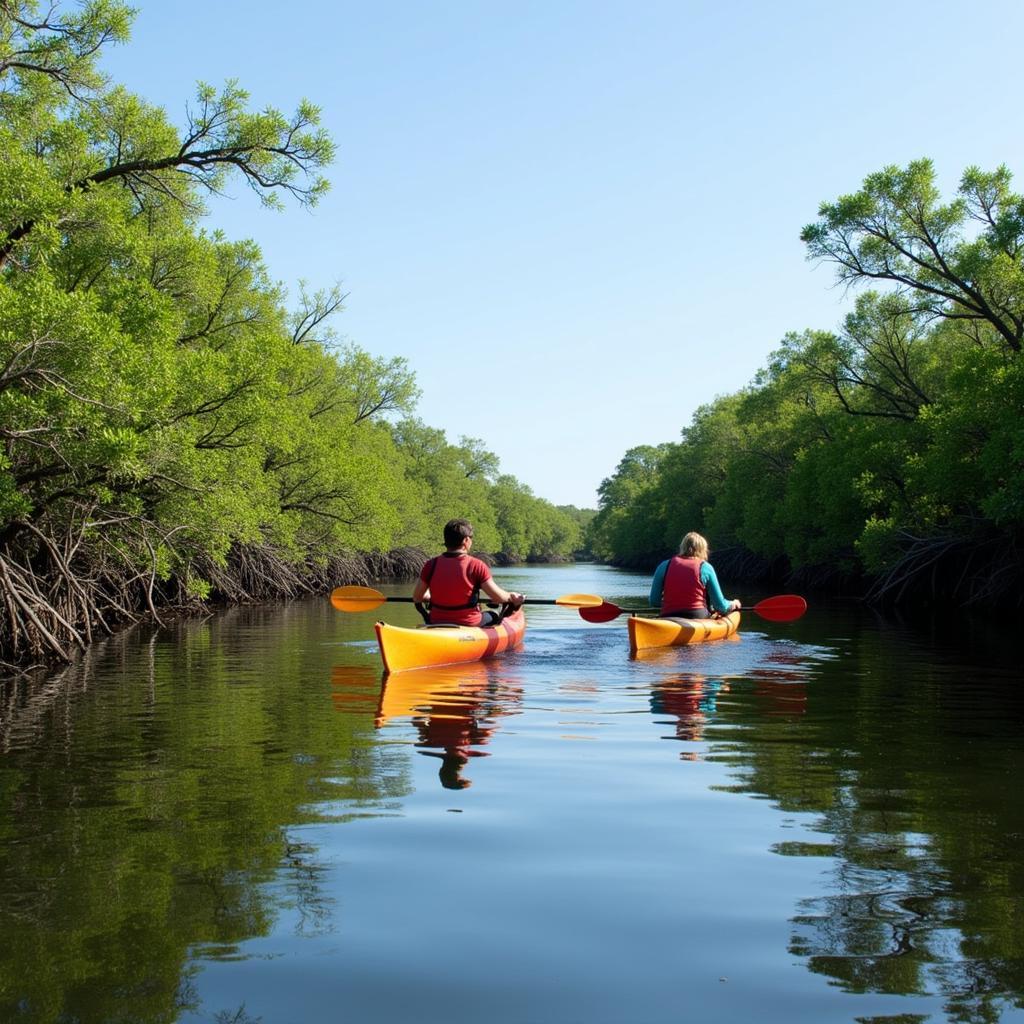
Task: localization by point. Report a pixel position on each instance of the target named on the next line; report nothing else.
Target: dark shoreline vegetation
(178, 432)
(175, 431)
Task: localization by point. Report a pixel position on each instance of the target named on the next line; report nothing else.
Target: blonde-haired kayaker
(452, 582)
(686, 586)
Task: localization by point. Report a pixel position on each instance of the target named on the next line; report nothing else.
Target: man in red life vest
(452, 582)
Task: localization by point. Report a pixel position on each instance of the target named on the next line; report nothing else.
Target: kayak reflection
(694, 700)
(691, 700)
(454, 709)
(355, 689)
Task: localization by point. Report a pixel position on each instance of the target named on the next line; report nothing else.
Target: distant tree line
(887, 455)
(172, 428)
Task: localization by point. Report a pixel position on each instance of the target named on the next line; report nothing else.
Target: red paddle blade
(784, 608)
(604, 612)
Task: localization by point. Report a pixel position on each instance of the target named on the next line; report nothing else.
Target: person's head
(455, 533)
(693, 545)
(450, 772)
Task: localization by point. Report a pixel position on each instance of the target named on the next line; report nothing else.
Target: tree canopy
(889, 450)
(174, 424)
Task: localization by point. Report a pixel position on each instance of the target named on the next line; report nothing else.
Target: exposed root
(956, 570)
(57, 593)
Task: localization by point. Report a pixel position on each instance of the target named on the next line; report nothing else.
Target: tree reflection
(149, 797)
(901, 768)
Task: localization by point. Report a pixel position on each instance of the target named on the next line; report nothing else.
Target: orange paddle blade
(356, 599)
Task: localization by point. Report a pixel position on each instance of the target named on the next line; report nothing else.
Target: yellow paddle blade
(356, 599)
(578, 601)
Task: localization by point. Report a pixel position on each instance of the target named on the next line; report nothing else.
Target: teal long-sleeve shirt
(708, 578)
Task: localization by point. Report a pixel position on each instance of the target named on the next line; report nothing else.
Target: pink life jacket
(683, 590)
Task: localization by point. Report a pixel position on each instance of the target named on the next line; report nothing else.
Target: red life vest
(455, 588)
(683, 590)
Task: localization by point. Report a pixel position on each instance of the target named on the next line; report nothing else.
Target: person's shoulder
(478, 565)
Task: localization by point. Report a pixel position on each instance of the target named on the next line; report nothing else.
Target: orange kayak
(647, 633)
(426, 646)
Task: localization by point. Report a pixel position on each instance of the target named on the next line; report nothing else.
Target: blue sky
(578, 221)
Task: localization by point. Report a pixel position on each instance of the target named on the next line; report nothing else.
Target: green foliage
(160, 404)
(583, 518)
(445, 481)
(884, 445)
(622, 527)
(961, 259)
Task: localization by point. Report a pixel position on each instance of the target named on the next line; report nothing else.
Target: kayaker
(452, 582)
(686, 586)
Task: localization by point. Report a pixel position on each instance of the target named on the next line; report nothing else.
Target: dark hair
(455, 532)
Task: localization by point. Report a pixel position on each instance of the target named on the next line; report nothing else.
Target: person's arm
(500, 594)
(658, 585)
(421, 592)
(714, 591)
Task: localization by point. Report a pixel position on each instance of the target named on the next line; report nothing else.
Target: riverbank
(934, 573)
(52, 618)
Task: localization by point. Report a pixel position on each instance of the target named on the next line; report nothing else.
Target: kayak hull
(402, 649)
(645, 634)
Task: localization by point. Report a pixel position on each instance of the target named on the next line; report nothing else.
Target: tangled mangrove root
(955, 570)
(53, 604)
(256, 573)
(58, 595)
(738, 563)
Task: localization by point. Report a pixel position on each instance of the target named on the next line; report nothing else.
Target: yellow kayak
(426, 646)
(647, 633)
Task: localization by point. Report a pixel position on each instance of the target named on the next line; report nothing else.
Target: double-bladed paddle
(783, 608)
(364, 599)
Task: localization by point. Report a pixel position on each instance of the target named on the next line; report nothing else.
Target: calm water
(232, 820)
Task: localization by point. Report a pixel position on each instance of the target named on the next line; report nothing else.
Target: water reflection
(918, 849)
(149, 799)
(224, 815)
(454, 709)
(691, 700)
(780, 681)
